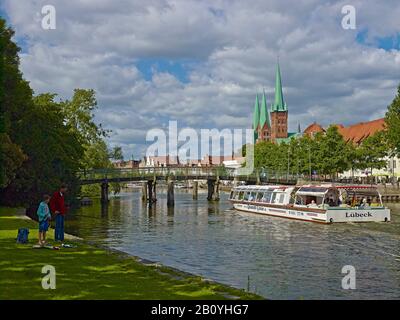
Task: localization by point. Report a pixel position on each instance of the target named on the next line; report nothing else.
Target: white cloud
(327, 75)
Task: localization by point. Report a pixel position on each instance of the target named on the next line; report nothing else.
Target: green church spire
(279, 104)
(256, 118)
(264, 117)
(256, 114)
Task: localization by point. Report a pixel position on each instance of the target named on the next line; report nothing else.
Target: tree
(15, 97)
(333, 152)
(11, 157)
(372, 152)
(116, 154)
(44, 142)
(392, 120)
(79, 116)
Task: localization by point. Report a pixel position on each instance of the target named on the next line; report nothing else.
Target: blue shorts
(43, 226)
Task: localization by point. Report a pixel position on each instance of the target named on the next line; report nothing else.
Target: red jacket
(57, 203)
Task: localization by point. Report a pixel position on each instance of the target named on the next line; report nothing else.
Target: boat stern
(358, 215)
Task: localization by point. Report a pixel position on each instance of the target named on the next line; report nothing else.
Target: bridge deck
(179, 174)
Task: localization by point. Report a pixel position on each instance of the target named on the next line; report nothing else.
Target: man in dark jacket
(57, 207)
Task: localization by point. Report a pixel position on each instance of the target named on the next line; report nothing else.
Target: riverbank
(90, 272)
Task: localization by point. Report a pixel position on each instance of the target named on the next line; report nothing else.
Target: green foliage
(371, 153)
(11, 157)
(53, 152)
(392, 120)
(327, 154)
(116, 154)
(333, 153)
(44, 142)
(15, 97)
(79, 115)
(96, 156)
(41, 152)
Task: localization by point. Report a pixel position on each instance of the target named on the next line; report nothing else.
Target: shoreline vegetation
(89, 271)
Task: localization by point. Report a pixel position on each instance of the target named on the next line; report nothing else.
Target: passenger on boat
(364, 204)
(313, 204)
(331, 202)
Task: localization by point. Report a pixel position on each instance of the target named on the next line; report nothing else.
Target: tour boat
(326, 203)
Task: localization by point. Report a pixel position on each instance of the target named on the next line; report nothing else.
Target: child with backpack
(44, 217)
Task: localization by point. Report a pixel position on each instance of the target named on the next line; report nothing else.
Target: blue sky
(179, 69)
(202, 62)
(390, 42)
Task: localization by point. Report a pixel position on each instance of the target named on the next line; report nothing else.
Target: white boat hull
(326, 216)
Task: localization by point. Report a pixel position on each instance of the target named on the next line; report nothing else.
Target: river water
(275, 257)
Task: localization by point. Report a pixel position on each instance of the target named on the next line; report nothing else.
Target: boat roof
(306, 186)
(357, 187)
(262, 187)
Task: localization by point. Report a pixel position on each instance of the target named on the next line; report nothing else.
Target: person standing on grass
(44, 217)
(57, 206)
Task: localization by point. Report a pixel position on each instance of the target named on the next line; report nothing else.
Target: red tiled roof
(360, 131)
(313, 128)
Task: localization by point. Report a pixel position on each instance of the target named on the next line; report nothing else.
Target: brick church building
(272, 126)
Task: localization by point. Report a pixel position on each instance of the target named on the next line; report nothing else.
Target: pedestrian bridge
(149, 177)
(181, 174)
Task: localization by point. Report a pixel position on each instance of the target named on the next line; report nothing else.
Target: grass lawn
(89, 272)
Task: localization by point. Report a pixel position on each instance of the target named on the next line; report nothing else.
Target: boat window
(246, 195)
(313, 189)
(281, 198)
(252, 196)
(359, 197)
(232, 195)
(274, 194)
(241, 194)
(259, 196)
(267, 197)
(309, 200)
(293, 196)
(299, 200)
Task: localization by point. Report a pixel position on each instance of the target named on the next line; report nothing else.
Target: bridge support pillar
(144, 191)
(210, 189)
(104, 192)
(151, 187)
(154, 198)
(170, 194)
(213, 190)
(150, 192)
(215, 196)
(195, 189)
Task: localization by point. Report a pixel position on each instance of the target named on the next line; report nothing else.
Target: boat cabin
(310, 196)
(264, 194)
(317, 196)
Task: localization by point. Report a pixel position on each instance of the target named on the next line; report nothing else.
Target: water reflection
(283, 258)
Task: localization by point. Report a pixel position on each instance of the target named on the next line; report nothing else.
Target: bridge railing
(146, 172)
(178, 171)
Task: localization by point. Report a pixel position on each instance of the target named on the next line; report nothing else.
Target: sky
(201, 63)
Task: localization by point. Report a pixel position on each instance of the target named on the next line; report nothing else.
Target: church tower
(256, 118)
(279, 112)
(264, 130)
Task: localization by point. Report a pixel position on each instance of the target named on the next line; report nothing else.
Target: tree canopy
(392, 120)
(325, 154)
(44, 141)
